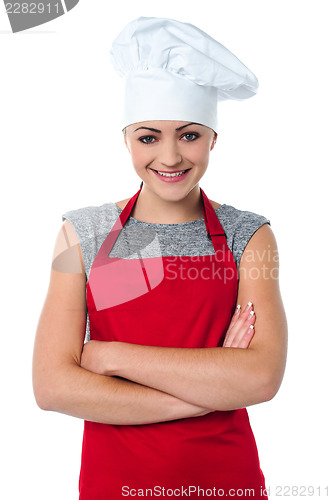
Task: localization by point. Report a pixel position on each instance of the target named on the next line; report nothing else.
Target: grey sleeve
(248, 224)
(76, 218)
(240, 226)
(71, 216)
(91, 224)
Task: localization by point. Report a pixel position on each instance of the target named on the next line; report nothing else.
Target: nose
(169, 154)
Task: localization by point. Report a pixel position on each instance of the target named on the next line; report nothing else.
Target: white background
(62, 149)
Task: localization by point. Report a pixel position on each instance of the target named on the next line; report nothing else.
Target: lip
(169, 171)
(171, 179)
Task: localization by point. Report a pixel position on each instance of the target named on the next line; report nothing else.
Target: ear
(214, 141)
(126, 143)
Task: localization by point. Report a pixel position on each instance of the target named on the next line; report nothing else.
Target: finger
(235, 316)
(243, 330)
(234, 319)
(235, 330)
(246, 339)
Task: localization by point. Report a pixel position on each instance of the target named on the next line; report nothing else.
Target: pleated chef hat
(175, 71)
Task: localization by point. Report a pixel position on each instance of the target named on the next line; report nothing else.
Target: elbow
(48, 390)
(42, 382)
(43, 404)
(52, 385)
(257, 389)
(269, 387)
(267, 394)
(268, 378)
(43, 398)
(45, 394)
(42, 387)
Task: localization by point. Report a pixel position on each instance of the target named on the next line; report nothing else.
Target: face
(170, 156)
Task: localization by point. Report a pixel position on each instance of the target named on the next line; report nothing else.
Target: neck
(150, 207)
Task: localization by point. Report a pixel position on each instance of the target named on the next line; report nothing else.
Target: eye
(147, 139)
(190, 136)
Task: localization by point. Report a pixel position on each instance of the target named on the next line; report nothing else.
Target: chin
(173, 192)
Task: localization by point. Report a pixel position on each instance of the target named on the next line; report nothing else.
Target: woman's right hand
(241, 328)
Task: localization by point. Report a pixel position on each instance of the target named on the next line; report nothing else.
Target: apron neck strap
(110, 240)
(128, 208)
(214, 229)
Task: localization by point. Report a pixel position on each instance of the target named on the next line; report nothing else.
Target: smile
(171, 176)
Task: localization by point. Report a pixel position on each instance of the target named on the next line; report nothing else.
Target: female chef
(178, 295)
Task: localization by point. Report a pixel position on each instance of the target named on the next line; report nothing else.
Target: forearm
(215, 378)
(111, 400)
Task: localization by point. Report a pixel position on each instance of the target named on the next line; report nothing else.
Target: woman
(172, 283)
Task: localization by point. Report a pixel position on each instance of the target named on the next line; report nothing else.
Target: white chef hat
(175, 71)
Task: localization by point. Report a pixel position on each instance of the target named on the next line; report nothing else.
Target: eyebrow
(159, 131)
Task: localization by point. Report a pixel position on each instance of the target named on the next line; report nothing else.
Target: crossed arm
(158, 383)
(214, 378)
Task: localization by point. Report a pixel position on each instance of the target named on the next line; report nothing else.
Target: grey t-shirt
(92, 225)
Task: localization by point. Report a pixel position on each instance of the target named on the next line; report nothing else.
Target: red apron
(178, 302)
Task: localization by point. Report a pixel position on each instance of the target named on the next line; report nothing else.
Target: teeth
(176, 174)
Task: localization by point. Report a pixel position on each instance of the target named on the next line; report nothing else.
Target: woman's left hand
(241, 328)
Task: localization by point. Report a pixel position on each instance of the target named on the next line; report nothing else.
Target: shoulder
(92, 219)
(239, 226)
(87, 227)
(91, 212)
(234, 216)
(121, 204)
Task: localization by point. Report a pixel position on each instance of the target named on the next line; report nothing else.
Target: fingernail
(238, 307)
(249, 305)
(251, 313)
